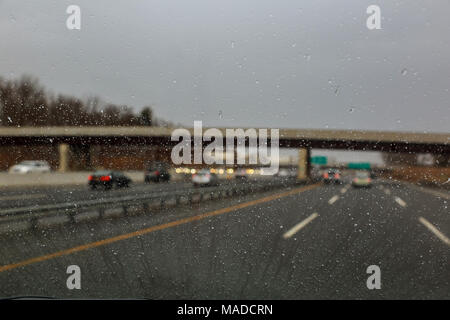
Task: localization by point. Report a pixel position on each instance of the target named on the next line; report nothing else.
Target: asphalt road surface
(301, 242)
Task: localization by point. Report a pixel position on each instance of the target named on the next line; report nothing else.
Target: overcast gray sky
(259, 63)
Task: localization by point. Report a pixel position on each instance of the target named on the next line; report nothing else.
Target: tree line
(24, 102)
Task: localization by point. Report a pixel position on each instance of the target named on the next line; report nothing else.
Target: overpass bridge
(415, 142)
(80, 139)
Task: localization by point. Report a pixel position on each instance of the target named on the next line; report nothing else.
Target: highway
(300, 242)
(43, 195)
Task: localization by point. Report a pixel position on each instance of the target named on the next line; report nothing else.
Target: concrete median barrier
(32, 217)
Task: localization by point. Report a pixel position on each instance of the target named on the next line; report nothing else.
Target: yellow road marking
(154, 228)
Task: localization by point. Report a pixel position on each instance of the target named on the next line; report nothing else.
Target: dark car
(157, 172)
(240, 174)
(108, 179)
(331, 176)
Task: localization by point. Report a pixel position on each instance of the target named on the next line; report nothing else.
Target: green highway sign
(319, 160)
(359, 165)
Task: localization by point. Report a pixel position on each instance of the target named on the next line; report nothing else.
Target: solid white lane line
(300, 225)
(436, 232)
(344, 190)
(22, 196)
(333, 199)
(400, 201)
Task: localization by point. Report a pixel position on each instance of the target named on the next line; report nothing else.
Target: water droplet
(336, 90)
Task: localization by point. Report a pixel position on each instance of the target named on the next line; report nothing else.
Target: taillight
(105, 178)
(354, 180)
(157, 172)
(369, 180)
(90, 178)
(337, 175)
(325, 175)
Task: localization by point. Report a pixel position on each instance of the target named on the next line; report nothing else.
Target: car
(331, 176)
(157, 172)
(106, 179)
(282, 173)
(362, 179)
(286, 173)
(240, 174)
(204, 178)
(31, 166)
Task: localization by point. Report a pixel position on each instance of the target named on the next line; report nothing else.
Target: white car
(362, 179)
(31, 166)
(286, 173)
(205, 178)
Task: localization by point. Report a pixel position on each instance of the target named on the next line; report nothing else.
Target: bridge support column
(303, 164)
(74, 157)
(64, 151)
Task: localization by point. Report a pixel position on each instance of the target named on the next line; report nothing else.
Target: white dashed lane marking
(333, 199)
(300, 226)
(400, 201)
(435, 230)
(344, 190)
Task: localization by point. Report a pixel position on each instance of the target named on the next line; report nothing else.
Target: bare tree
(24, 102)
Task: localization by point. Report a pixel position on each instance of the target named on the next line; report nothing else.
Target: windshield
(225, 149)
(28, 163)
(102, 173)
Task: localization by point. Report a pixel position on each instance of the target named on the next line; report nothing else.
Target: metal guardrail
(33, 214)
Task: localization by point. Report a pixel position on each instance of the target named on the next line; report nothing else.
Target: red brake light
(325, 175)
(105, 178)
(90, 178)
(156, 172)
(337, 175)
